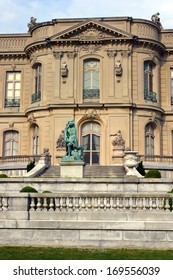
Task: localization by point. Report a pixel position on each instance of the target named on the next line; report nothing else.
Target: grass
(49, 253)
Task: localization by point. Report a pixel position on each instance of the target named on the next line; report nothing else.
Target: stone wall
(82, 218)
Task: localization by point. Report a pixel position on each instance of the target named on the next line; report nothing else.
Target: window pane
(95, 158)
(18, 76)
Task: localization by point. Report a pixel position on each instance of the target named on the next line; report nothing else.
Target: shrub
(3, 176)
(153, 174)
(141, 169)
(30, 165)
(28, 189)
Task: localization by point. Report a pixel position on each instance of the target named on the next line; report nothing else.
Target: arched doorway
(90, 140)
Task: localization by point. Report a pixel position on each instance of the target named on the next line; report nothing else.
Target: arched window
(149, 93)
(10, 143)
(90, 140)
(36, 96)
(149, 139)
(91, 79)
(35, 139)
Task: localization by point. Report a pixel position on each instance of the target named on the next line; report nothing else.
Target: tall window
(171, 77)
(10, 143)
(35, 140)
(91, 79)
(148, 81)
(149, 139)
(13, 88)
(36, 96)
(91, 142)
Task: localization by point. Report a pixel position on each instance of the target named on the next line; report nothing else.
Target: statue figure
(73, 151)
(155, 18)
(32, 23)
(60, 142)
(118, 141)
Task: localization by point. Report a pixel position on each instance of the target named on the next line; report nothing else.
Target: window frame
(13, 99)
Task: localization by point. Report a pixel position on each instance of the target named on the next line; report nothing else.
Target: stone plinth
(118, 156)
(71, 169)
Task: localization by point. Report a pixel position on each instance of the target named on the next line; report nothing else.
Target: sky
(15, 14)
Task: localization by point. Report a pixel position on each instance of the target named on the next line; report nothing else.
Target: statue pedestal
(118, 156)
(71, 169)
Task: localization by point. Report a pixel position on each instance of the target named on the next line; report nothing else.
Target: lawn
(49, 253)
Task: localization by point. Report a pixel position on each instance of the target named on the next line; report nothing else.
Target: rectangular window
(171, 79)
(36, 96)
(91, 79)
(13, 89)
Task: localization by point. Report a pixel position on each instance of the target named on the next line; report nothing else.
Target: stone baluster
(51, 204)
(105, 203)
(117, 202)
(45, 204)
(82, 203)
(167, 206)
(144, 203)
(32, 205)
(86, 203)
(39, 204)
(111, 203)
(161, 203)
(76, 204)
(70, 204)
(57, 203)
(101, 203)
(5, 203)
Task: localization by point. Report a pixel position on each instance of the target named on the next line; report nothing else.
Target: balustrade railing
(19, 158)
(156, 158)
(67, 203)
(87, 202)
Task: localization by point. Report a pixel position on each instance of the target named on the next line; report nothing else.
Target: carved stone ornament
(92, 33)
(111, 53)
(60, 144)
(64, 70)
(91, 48)
(58, 55)
(118, 141)
(31, 119)
(91, 114)
(118, 68)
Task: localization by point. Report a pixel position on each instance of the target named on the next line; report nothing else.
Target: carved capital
(125, 53)
(71, 55)
(58, 55)
(111, 53)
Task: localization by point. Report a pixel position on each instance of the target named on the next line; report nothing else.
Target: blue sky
(15, 14)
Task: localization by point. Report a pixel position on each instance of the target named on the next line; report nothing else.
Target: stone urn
(130, 163)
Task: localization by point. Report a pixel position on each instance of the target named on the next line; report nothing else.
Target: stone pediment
(92, 31)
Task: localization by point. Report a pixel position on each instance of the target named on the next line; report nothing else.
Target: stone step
(89, 171)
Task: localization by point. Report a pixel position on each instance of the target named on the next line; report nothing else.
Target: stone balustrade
(85, 202)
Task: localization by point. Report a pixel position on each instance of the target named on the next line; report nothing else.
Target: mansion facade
(110, 75)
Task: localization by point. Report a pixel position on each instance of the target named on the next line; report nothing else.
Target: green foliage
(3, 176)
(30, 165)
(153, 174)
(141, 169)
(28, 189)
(54, 253)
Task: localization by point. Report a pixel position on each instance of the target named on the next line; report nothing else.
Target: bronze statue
(73, 151)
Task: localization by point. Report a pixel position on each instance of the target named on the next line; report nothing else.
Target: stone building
(108, 74)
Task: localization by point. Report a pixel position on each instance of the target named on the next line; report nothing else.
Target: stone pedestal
(118, 156)
(71, 169)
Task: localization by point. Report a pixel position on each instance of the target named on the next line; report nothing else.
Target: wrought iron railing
(12, 102)
(150, 95)
(36, 97)
(91, 93)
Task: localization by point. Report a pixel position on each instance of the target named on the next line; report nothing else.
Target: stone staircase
(96, 171)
